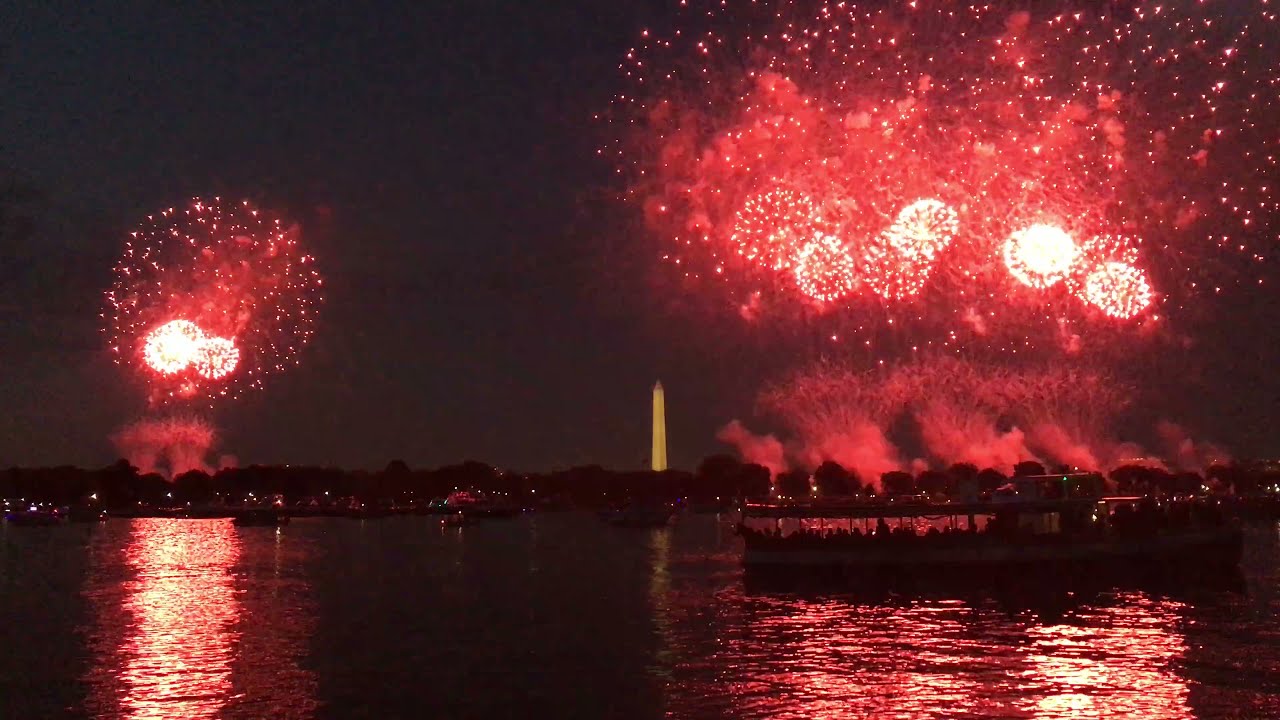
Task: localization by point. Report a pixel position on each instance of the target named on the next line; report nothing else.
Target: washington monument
(658, 458)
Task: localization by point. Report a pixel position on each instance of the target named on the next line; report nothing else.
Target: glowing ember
(1118, 289)
(824, 271)
(1040, 256)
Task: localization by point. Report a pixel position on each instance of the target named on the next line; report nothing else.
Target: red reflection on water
(165, 636)
(199, 618)
(1118, 664)
(782, 656)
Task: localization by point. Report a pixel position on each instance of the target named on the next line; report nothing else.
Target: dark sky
(483, 297)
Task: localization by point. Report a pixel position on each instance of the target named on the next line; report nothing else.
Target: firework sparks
(1040, 256)
(171, 348)
(180, 345)
(756, 124)
(770, 227)
(824, 270)
(216, 358)
(209, 299)
(1118, 289)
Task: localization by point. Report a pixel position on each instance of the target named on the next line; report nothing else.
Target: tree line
(718, 479)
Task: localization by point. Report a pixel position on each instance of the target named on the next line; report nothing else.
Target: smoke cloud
(763, 450)
(988, 415)
(167, 446)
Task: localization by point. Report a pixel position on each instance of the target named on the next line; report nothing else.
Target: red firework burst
(1040, 256)
(772, 227)
(824, 271)
(211, 298)
(755, 123)
(1118, 289)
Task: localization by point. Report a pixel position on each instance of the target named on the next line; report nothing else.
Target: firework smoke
(168, 446)
(1187, 454)
(987, 415)
(763, 450)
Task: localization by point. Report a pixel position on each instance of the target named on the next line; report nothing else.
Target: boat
(639, 516)
(1041, 524)
(474, 503)
(260, 517)
(35, 516)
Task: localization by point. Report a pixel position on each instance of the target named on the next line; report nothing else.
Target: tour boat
(1040, 522)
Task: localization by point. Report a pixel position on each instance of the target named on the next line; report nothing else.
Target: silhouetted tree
(897, 482)
(717, 468)
(193, 486)
(753, 481)
(794, 484)
(963, 471)
(933, 482)
(1027, 468)
(989, 479)
(833, 480)
(1131, 478)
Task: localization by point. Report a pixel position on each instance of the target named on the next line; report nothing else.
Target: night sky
(485, 297)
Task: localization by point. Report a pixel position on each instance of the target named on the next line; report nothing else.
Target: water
(558, 616)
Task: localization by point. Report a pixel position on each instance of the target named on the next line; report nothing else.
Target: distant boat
(260, 517)
(35, 517)
(477, 504)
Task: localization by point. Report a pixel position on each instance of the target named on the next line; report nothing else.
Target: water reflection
(195, 619)
(167, 610)
(835, 655)
(1114, 662)
(276, 622)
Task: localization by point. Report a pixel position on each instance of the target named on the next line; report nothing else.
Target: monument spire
(658, 457)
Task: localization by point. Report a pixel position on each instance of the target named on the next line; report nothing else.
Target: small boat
(260, 517)
(477, 504)
(35, 517)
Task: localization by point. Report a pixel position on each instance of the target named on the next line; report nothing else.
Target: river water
(559, 616)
